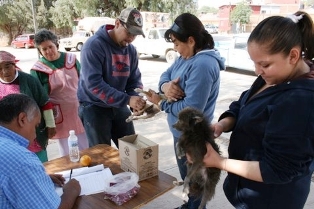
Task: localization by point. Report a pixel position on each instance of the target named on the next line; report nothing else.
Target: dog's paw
(186, 191)
(178, 183)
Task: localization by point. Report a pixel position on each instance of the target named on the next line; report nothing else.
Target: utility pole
(34, 21)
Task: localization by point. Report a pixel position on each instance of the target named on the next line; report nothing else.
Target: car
(212, 29)
(234, 49)
(24, 41)
(155, 44)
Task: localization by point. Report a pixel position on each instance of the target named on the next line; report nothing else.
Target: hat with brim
(133, 21)
(7, 57)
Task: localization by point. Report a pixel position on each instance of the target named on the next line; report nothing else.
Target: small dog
(149, 111)
(200, 181)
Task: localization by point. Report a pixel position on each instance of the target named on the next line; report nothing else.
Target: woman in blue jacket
(271, 148)
(191, 81)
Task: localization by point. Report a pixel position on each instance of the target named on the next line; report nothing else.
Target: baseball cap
(133, 21)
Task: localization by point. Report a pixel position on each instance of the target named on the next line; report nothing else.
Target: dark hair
(280, 34)
(186, 25)
(14, 104)
(45, 35)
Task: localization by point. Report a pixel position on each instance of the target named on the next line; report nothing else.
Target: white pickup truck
(155, 44)
(86, 28)
(76, 40)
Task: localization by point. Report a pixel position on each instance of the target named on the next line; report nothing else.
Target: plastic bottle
(74, 152)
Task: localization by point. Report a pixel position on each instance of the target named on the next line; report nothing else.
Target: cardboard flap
(138, 141)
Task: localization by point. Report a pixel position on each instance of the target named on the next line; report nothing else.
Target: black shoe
(184, 206)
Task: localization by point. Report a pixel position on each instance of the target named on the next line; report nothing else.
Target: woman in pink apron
(59, 72)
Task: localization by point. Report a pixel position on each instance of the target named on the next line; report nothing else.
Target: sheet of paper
(81, 171)
(91, 182)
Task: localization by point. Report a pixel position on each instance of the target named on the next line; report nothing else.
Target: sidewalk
(156, 129)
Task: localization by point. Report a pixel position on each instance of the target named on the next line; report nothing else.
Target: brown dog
(149, 111)
(200, 181)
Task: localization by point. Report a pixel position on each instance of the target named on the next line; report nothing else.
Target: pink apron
(63, 84)
(6, 89)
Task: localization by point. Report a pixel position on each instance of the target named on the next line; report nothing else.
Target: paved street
(156, 129)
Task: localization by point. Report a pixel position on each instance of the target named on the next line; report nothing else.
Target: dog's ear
(197, 119)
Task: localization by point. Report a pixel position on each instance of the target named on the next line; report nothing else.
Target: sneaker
(184, 206)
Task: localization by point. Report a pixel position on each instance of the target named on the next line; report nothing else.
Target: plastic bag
(122, 187)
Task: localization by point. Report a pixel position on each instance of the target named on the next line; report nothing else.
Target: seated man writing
(23, 180)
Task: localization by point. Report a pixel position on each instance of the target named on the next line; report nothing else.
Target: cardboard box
(139, 155)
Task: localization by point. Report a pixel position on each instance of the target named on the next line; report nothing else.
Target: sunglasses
(130, 35)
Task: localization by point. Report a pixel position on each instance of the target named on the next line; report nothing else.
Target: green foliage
(43, 16)
(110, 8)
(146, 5)
(86, 8)
(16, 16)
(62, 13)
(206, 9)
(241, 13)
(176, 7)
(309, 3)
(20, 15)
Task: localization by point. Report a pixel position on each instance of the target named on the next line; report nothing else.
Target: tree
(309, 3)
(16, 17)
(65, 18)
(206, 9)
(43, 16)
(178, 7)
(241, 15)
(5, 23)
(87, 8)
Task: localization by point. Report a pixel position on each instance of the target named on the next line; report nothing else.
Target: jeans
(193, 202)
(103, 124)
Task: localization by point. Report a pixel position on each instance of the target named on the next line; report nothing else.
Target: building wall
(260, 11)
(282, 1)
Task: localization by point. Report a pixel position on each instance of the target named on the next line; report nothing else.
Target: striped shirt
(23, 180)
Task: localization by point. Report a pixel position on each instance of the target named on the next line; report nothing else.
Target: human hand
(51, 132)
(153, 97)
(57, 179)
(173, 90)
(212, 158)
(137, 103)
(217, 128)
(73, 186)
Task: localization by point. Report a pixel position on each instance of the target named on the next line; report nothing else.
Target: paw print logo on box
(127, 151)
(148, 154)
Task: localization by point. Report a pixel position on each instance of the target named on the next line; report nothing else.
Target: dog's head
(187, 119)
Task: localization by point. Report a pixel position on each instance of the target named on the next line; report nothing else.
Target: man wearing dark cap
(109, 75)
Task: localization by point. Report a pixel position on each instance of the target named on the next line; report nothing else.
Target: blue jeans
(103, 124)
(193, 202)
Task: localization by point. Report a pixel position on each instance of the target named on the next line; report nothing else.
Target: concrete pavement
(157, 130)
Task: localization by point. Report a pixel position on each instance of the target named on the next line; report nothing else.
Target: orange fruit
(85, 160)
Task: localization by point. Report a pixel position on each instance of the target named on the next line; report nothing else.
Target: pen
(71, 173)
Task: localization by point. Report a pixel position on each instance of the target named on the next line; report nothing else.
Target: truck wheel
(79, 46)
(171, 56)
(67, 49)
(26, 46)
(155, 56)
